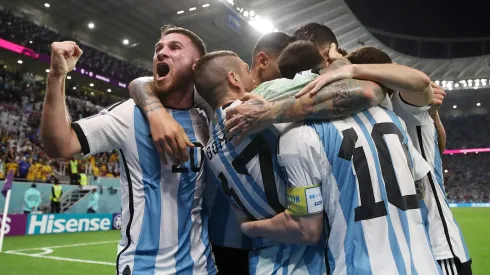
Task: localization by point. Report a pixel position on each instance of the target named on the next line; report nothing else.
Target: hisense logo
(45, 224)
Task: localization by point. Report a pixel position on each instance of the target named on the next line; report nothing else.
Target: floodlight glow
(180, 12)
(245, 14)
(91, 25)
(457, 85)
(437, 82)
(47, 70)
(91, 84)
(478, 104)
(19, 61)
(454, 106)
(262, 25)
(205, 5)
(125, 42)
(192, 9)
(47, 5)
(68, 77)
(109, 90)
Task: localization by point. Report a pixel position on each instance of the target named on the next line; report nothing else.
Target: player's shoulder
(296, 137)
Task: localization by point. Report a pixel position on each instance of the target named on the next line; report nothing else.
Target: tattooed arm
(169, 137)
(338, 99)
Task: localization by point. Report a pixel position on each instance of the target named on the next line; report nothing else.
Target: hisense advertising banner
(35, 224)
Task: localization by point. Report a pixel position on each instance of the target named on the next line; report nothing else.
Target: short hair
(297, 57)
(272, 42)
(316, 33)
(369, 55)
(195, 39)
(211, 71)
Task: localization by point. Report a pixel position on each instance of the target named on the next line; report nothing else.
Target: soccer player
(163, 229)
(374, 223)
(246, 172)
(425, 128)
(230, 245)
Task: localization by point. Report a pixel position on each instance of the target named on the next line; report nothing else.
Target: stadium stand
(20, 109)
(23, 32)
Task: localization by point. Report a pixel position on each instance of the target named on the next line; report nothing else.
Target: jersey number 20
(369, 208)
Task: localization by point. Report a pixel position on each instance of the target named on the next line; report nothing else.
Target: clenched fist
(64, 57)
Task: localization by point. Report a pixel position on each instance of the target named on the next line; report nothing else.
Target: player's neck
(229, 97)
(181, 98)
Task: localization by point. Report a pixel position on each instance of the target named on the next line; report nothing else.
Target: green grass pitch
(95, 253)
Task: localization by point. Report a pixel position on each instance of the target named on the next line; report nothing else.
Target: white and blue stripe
(251, 200)
(392, 244)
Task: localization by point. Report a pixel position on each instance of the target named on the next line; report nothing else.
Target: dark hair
(196, 40)
(211, 71)
(317, 33)
(369, 55)
(33, 185)
(297, 57)
(272, 43)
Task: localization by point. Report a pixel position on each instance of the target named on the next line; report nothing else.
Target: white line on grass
(59, 258)
(59, 246)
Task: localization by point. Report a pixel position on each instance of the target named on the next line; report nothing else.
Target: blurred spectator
(467, 131)
(467, 178)
(32, 199)
(39, 39)
(20, 146)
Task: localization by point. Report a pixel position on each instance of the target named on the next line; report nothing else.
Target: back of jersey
(374, 220)
(247, 172)
(249, 175)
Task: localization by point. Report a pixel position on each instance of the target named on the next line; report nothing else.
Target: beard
(179, 81)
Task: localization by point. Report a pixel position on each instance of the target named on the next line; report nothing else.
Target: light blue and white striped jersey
(163, 231)
(249, 175)
(445, 235)
(368, 168)
(224, 228)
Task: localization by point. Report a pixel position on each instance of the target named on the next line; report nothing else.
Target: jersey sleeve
(412, 115)
(420, 166)
(106, 130)
(300, 161)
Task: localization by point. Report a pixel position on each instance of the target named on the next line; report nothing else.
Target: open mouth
(162, 70)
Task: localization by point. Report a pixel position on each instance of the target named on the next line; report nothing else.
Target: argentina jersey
(445, 235)
(163, 230)
(248, 174)
(374, 223)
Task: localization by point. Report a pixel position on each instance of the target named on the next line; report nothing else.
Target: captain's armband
(304, 201)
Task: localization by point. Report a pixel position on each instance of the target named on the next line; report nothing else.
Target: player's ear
(262, 59)
(233, 79)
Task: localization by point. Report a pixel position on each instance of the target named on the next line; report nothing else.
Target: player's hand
(169, 137)
(252, 116)
(439, 95)
(248, 229)
(64, 57)
(344, 72)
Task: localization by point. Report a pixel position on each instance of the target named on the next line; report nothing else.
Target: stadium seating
(20, 31)
(20, 109)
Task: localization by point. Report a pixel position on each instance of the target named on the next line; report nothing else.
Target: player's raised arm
(169, 137)
(336, 100)
(58, 137)
(439, 95)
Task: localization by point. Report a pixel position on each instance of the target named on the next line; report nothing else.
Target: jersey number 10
(369, 208)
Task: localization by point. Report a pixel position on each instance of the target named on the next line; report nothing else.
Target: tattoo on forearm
(149, 110)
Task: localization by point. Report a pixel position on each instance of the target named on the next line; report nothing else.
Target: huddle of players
(319, 172)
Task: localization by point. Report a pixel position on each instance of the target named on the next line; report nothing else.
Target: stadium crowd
(21, 99)
(39, 39)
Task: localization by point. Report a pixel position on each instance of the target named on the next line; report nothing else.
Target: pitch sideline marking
(49, 250)
(59, 258)
(60, 246)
